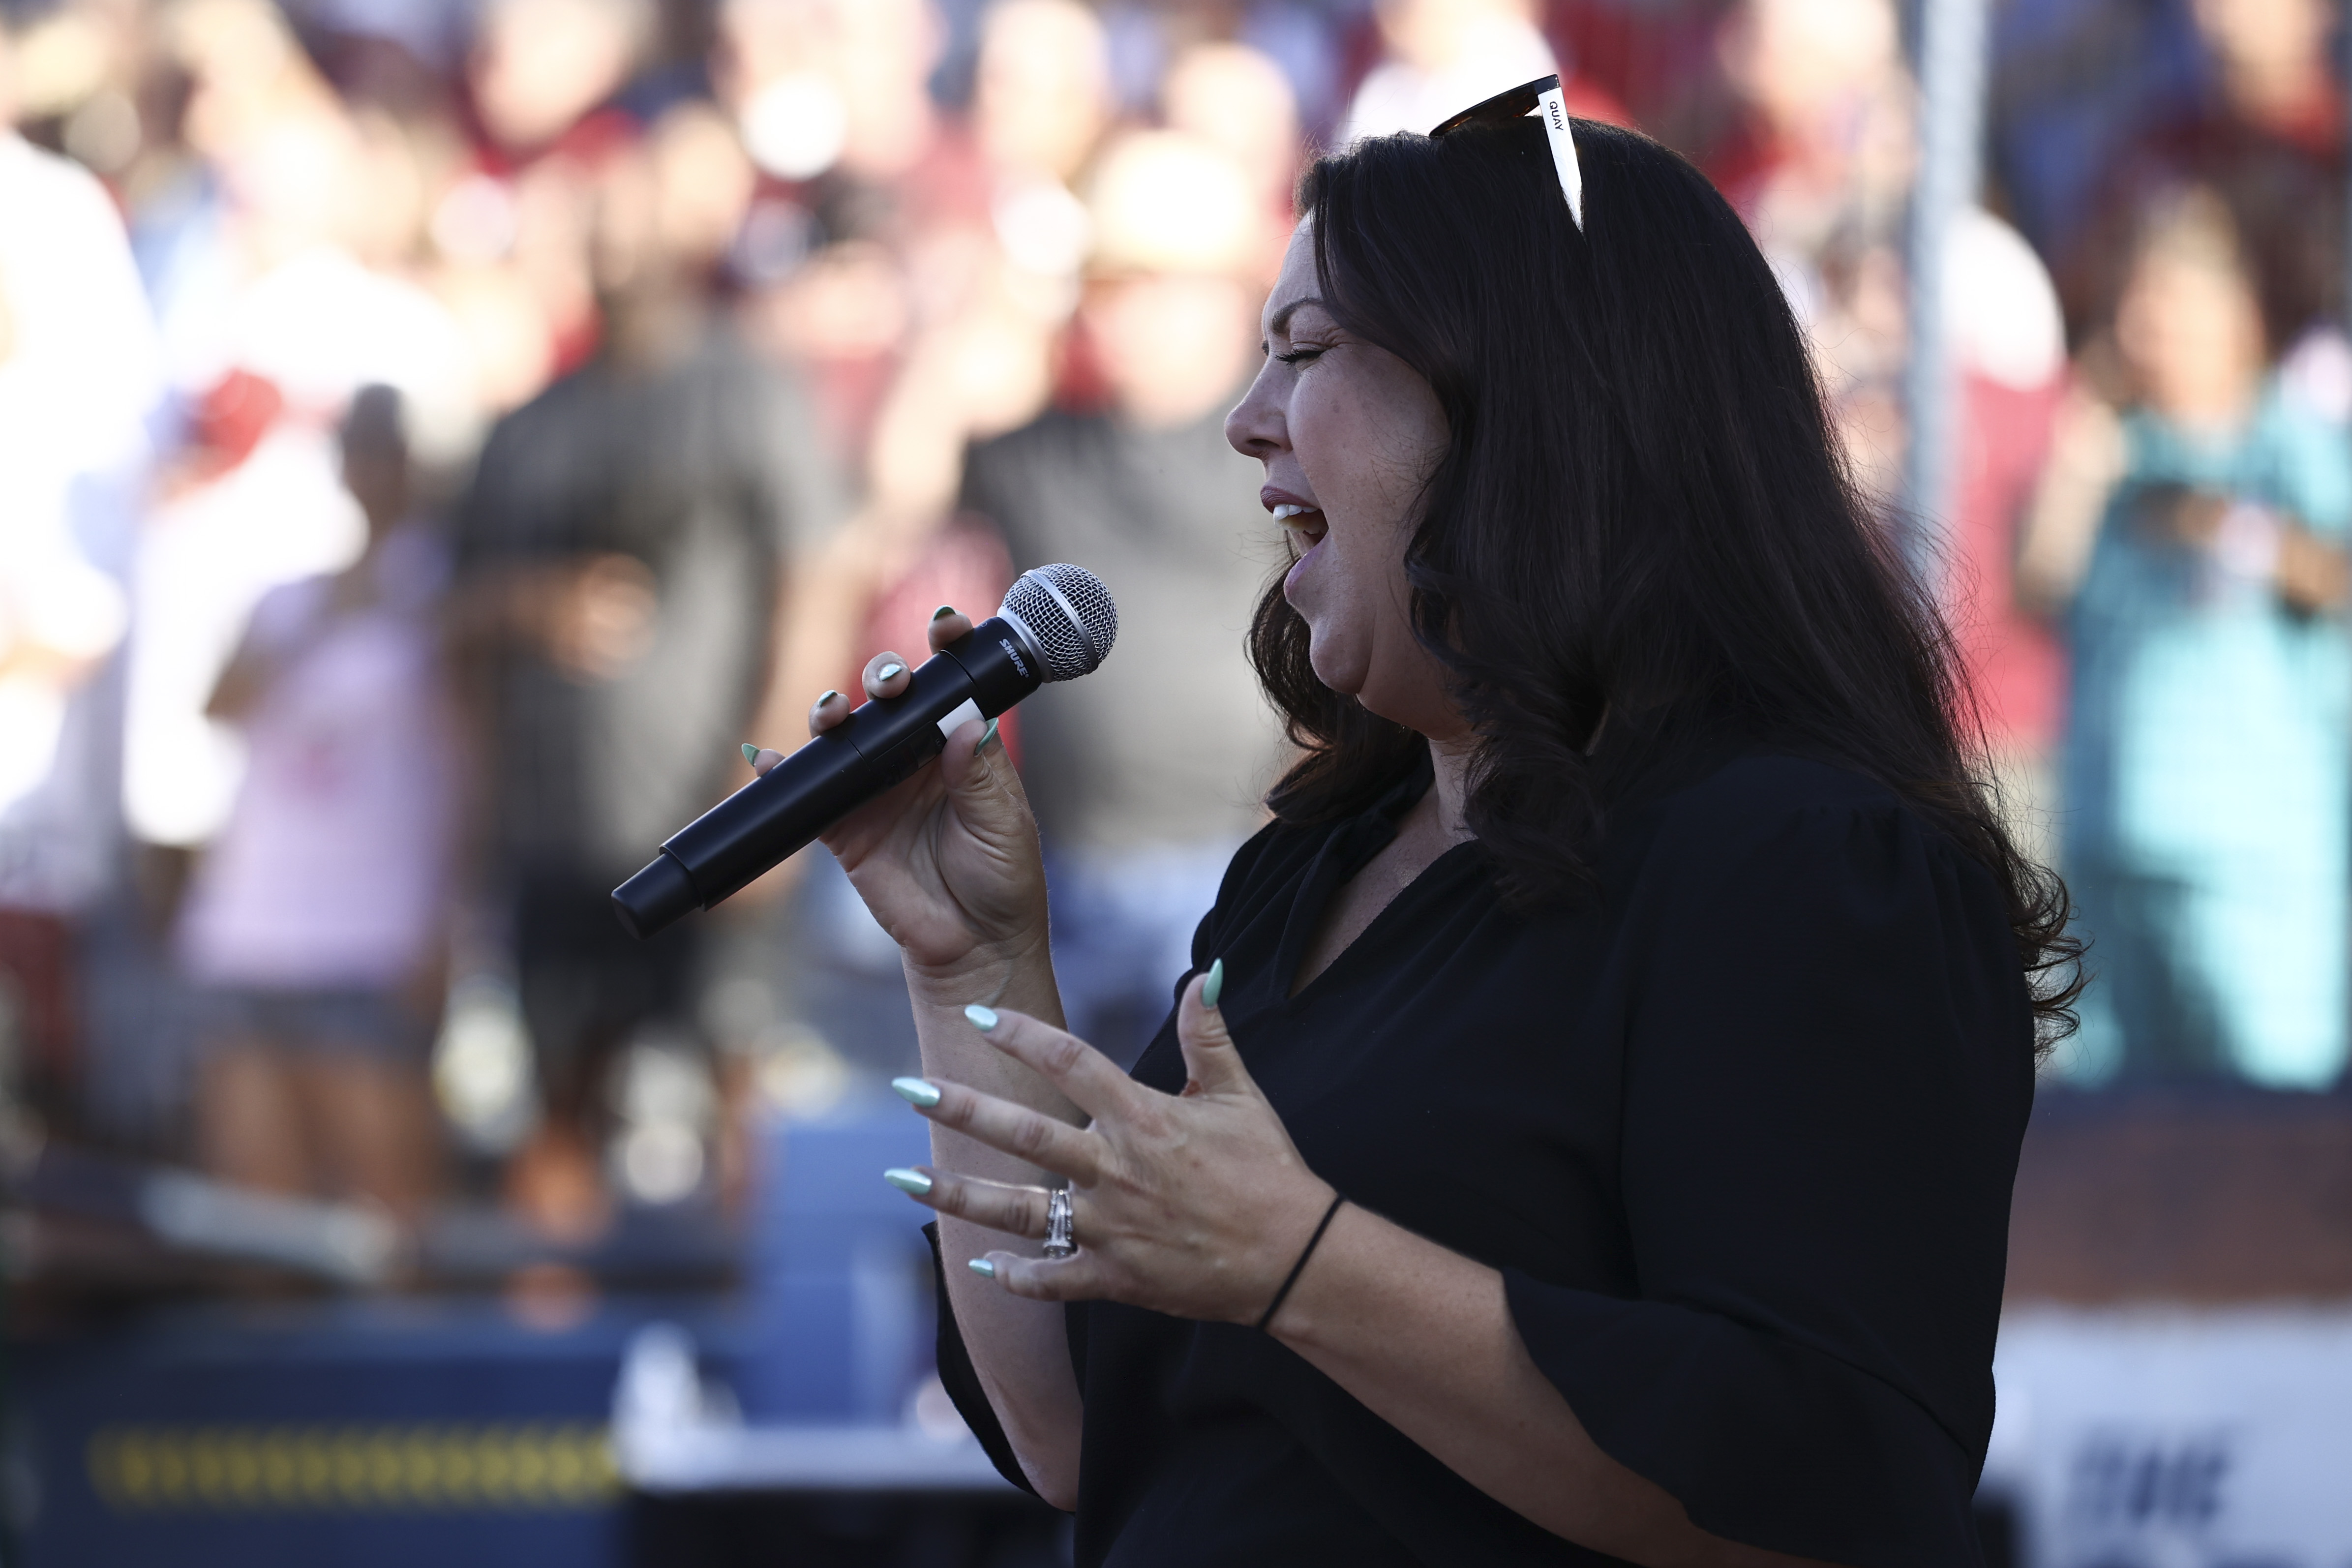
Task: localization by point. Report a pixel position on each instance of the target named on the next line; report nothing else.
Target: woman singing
(1588, 1131)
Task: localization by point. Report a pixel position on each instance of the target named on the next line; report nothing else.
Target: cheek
(1347, 455)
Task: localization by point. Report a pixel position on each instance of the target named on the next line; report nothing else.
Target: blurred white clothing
(79, 371)
(332, 871)
(317, 327)
(205, 559)
(1999, 306)
(1494, 55)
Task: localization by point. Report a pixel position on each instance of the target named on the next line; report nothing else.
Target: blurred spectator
(78, 373)
(1442, 56)
(621, 558)
(1822, 141)
(2101, 107)
(1142, 777)
(1231, 98)
(877, 203)
(2008, 339)
(542, 78)
(315, 923)
(2264, 131)
(1819, 161)
(2194, 515)
(274, 265)
(1043, 94)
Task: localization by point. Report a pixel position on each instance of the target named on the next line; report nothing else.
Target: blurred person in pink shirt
(315, 921)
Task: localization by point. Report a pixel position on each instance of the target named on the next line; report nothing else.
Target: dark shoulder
(1761, 790)
(1779, 807)
(1269, 858)
(1265, 870)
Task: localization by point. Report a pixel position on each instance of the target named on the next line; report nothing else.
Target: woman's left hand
(1194, 1205)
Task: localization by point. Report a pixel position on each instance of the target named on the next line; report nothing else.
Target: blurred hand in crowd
(539, 65)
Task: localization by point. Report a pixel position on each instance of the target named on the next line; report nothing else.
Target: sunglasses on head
(1542, 95)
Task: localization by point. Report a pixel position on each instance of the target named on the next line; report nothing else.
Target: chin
(1342, 675)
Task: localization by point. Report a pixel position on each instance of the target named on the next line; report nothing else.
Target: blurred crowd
(435, 435)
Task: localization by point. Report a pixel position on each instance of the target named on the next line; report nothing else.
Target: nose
(1255, 427)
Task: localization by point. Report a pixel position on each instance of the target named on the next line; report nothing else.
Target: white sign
(2167, 1439)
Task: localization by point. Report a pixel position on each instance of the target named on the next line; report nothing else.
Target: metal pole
(1951, 125)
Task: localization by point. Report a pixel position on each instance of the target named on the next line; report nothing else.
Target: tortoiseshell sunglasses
(1542, 94)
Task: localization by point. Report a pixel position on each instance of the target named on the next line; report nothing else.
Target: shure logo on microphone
(1014, 654)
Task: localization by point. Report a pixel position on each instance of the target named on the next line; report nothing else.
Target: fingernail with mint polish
(986, 736)
(1214, 985)
(919, 1092)
(943, 612)
(907, 1180)
(982, 1018)
(983, 1267)
(750, 752)
(826, 698)
(888, 672)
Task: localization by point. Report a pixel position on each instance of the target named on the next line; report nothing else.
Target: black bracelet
(1300, 1267)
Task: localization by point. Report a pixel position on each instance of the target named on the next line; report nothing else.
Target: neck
(1451, 762)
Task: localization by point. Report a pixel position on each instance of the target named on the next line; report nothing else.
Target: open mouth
(1306, 526)
(1302, 521)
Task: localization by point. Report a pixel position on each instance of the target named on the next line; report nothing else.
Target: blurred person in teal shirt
(2194, 515)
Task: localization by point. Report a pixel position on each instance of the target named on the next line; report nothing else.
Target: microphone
(1056, 624)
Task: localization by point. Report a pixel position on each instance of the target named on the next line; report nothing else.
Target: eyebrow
(1281, 319)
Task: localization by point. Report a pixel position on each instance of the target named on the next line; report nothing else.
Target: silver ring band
(1059, 1243)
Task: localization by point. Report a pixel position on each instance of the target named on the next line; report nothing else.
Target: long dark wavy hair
(1641, 512)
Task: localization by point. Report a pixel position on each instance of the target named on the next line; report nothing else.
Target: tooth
(1285, 511)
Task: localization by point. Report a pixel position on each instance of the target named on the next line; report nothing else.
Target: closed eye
(1298, 356)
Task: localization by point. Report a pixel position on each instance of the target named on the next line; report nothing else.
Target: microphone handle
(884, 741)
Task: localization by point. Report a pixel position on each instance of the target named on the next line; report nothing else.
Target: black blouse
(1739, 1133)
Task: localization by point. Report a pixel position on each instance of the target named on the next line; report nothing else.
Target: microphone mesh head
(1069, 613)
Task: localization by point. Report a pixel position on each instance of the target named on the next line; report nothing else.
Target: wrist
(1297, 1260)
(990, 971)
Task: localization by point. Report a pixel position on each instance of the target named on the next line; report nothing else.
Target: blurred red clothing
(2015, 663)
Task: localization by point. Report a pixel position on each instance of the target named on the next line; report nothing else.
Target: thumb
(982, 780)
(1211, 1060)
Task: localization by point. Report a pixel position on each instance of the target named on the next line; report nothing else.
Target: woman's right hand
(948, 860)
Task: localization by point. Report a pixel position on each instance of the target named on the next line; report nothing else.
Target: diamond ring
(1058, 1240)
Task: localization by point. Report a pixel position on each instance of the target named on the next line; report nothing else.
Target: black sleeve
(1828, 1066)
(963, 1383)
